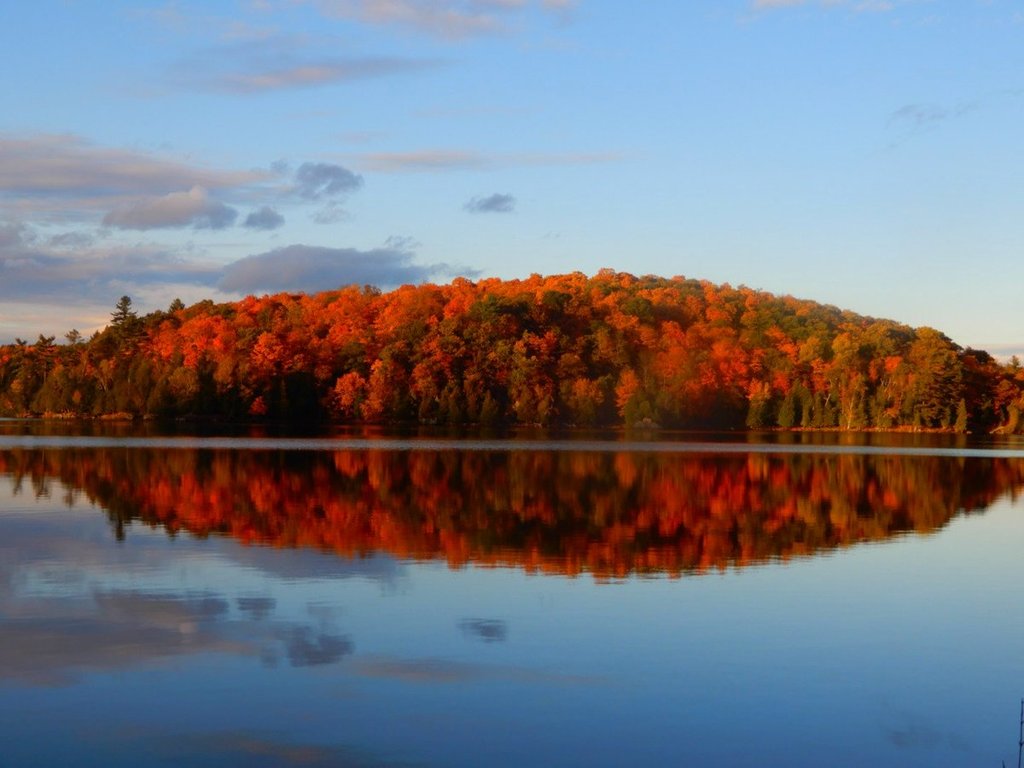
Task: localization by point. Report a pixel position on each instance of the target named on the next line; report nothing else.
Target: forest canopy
(611, 349)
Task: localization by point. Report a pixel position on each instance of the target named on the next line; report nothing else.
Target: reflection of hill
(608, 513)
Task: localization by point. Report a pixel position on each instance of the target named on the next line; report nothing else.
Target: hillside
(612, 349)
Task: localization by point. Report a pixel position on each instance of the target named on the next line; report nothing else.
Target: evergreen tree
(123, 313)
(125, 323)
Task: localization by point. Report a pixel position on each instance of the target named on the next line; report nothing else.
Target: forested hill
(612, 349)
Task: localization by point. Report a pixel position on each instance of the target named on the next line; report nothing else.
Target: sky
(861, 153)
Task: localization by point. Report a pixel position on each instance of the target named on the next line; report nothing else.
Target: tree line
(611, 349)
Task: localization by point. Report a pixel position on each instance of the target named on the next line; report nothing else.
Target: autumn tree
(610, 349)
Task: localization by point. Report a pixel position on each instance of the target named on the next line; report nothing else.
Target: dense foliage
(610, 349)
(606, 513)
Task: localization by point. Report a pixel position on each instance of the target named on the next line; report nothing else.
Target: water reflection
(51, 642)
(566, 512)
(488, 630)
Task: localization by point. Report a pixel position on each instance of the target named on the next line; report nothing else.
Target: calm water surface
(410, 602)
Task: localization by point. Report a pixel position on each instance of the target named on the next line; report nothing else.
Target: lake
(376, 600)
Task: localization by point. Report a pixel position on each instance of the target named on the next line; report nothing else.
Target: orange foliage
(563, 349)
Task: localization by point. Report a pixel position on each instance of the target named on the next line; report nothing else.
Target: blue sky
(863, 153)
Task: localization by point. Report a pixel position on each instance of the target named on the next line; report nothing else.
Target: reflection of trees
(563, 512)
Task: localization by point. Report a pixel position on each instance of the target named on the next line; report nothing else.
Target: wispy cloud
(61, 172)
(72, 240)
(923, 115)
(496, 203)
(194, 208)
(331, 213)
(275, 63)
(855, 6)
(447, 19)
(423, 160)
(309, 74)
(766, 4)
(460, 160)
(911, 120)
(15, 234)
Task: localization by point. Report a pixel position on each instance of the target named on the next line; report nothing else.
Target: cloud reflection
(911, 733)
(256, 608)
(53, 649)
(488, 630)
(309, 649)
(56, 624)
(434, 670)
(240, 747)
